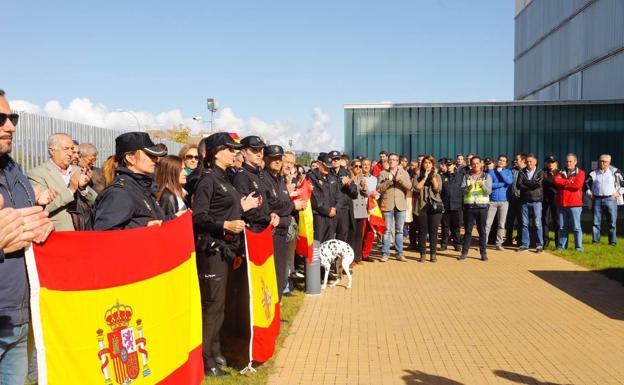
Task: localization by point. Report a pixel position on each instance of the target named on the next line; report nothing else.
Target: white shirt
(604, 183)
(531, 173)
(65, 174)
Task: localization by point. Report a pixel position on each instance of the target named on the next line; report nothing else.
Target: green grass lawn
(602, 258)
(290, 307)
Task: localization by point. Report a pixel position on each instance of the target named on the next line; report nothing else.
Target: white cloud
(316, 138)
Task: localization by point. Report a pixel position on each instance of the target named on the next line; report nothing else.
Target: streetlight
(212, 107)
(133, 115)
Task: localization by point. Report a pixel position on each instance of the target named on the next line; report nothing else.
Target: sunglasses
(357, 166)
(189, 157)
(12, 117)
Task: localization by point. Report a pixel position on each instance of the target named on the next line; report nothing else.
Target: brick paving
(520, 318)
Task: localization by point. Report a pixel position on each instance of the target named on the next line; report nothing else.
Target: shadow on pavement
(591, 288)
(416, 377)
(522, 379)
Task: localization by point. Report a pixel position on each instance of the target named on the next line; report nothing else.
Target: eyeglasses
(357, 166)
(189, 157)
(12, 117)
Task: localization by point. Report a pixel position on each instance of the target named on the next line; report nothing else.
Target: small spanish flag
(375, 217)
(117, 307)
(306, 228)
(263, 296)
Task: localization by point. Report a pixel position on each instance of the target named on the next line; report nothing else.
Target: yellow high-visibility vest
(476, 195)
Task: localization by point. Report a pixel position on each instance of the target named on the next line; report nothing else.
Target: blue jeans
(14, 355)
(537, 222)
(570, 216)
(397, 219)
(608, 206)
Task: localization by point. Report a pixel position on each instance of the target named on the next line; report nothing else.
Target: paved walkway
(520, 318)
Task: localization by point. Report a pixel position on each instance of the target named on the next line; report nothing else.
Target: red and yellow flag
(263, 295)
(117, 307)
(375, 217)
(305, 236)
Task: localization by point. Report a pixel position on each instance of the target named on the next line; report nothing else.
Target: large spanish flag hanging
(264, 305)
(117, 307)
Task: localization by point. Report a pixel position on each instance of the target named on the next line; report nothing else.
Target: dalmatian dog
(332, 250)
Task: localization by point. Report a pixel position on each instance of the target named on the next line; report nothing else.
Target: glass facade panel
(489, 129)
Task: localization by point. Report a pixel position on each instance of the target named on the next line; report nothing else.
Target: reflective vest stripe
(476, 195)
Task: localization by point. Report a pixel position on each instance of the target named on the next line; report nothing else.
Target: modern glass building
(587, 128)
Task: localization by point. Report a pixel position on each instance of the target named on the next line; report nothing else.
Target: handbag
(436, 207)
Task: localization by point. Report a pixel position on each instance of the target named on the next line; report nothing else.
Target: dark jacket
(14, 296)
(452, 194)
(129, 202)
(168, 202)
(548, 185)
(216, 201)
(323, 198)
(346, 193)
(530, 189)
(279, 200)
(249, 180)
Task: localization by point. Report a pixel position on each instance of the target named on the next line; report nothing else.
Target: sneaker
(500, 248)
(443, 247)
(484, 257)
(539, 249)
(457, 247)
(461, 257)
(384, 258)
(401, 258)
(522, 248)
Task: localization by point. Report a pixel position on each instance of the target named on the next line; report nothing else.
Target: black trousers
(514, 219)
(343, 219)
(356, 237)
(428, 224)
(451, 225)
(213, 290)
(474, 216)
(324, 228)
(550, 221)
(280, 257)
(413, 233)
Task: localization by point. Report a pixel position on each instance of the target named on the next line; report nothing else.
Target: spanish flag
(375, 217)
(305, 237)
(264, 305)
(117, 307)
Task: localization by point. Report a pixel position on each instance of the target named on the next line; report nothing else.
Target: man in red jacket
(569, 183)
(383, 156)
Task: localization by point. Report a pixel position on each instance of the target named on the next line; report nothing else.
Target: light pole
(133, 115)
(212, 107)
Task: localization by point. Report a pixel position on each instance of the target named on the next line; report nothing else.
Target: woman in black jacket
(129, 201)
(170, 178)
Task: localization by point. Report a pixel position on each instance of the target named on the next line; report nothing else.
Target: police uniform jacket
(279, 200)
(345, 193)
(129, 202)
(452, 194)
(323, 198)
(249, 180)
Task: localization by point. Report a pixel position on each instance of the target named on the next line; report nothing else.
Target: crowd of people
(230, 185)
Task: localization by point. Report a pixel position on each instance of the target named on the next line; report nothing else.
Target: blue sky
(271, 63)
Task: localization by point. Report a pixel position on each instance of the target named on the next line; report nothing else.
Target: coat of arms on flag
(123, 348)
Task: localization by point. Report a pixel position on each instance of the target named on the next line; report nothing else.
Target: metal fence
(30, 139)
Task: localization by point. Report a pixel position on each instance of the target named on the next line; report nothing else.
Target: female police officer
(280, 204)
(129, 202)
(217, 209)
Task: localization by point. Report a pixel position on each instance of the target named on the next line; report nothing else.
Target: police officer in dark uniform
(249, 180)
(346, 191)
(280, 204)
(129, 202)
(453, 200)
(217, 223)
(323, 200)
(550, 210)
